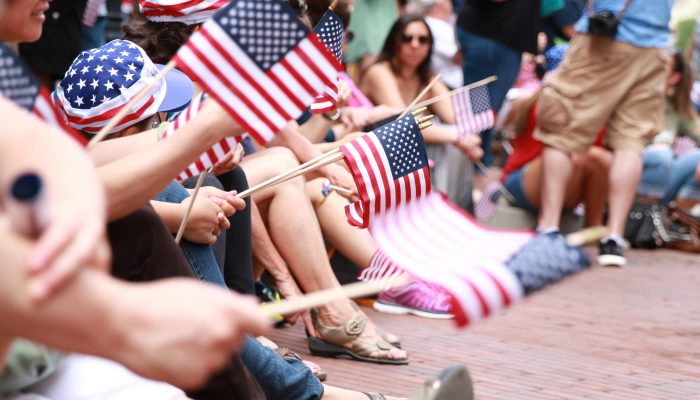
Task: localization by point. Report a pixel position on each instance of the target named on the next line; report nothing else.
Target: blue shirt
(645, 23)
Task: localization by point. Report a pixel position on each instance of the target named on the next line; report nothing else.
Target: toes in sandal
(319, 373)
(335, 337)
(453, 383)
(384, 334)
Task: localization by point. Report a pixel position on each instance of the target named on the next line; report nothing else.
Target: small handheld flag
(211, 156)
(330, 30)
(259, 61)
(389, 166)
(473, 111)
(18, 85)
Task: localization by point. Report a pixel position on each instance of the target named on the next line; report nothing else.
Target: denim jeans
(682, 182)
(200, 256)
(481, 58)
(279, 378)
(656, 171)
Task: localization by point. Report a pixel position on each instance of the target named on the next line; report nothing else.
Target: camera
(603, 23)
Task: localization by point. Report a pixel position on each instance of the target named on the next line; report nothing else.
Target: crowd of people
(594, 113)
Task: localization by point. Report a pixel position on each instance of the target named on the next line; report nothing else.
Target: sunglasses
(422, 39)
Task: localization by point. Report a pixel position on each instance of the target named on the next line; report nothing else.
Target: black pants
(144, 250)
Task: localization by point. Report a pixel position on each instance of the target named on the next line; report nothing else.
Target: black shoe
(610, 254)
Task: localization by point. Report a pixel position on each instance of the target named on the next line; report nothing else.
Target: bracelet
(335, 116)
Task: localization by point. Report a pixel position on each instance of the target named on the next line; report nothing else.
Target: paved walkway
(632, 333)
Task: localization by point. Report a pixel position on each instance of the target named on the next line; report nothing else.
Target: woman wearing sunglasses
(398, 76)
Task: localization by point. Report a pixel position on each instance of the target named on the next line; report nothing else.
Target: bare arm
(95, 314)
(380, 85)
(133, 180)
(443, 108)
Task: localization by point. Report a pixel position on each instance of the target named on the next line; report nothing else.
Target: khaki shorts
(603, 83)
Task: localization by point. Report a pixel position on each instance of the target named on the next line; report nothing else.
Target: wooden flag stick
(183, 224)
(329, 158)
(322, 297)
(126, 109)
(456, 91)
(340, 189)
(420, 96)
(586, 235)
(333, 5)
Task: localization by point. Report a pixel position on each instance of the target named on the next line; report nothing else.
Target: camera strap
(617, 17)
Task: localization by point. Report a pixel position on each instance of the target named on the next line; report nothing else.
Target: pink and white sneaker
(416, 297)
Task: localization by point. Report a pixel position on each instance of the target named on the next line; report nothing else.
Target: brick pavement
(603, 334)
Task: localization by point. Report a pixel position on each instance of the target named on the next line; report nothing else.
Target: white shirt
(444, 49)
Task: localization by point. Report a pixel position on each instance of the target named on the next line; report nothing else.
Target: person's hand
(229, 162)
(182, 331)
(697, 173)
(470, 145)
(289, 289)
(344, 94)
(228, 202)
(74, 235)
(355, 117)
(205, 222)
(340, 177)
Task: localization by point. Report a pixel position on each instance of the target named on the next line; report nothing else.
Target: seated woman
(304, 254)
(522, 173)
(398, 76)
(681, 120)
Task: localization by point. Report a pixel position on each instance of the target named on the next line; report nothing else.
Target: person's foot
(350, 329)
(286, 353)
(417, 298)
(611, 253)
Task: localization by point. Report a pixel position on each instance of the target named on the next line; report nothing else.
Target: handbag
(645, 226)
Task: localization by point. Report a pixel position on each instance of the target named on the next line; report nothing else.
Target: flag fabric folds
(19, 85)
(483, 269)
(211, 156)
(473, 111)
(260, 62)
(92, 9)
(185, 11)
(485, 208)
(330, 30)
(389, 166)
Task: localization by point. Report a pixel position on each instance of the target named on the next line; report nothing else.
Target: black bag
(645, 226)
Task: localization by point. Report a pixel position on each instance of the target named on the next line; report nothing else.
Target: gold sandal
(332, 339)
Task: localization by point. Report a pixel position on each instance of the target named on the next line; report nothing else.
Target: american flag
(485, 270)
(185, 11)
(380, 267)
(260, 62)
(473, 111)
(389, 166)
(330, 30)
(433, 240)
(211, 156)
(101, 81)
(92, 8)
(19, 86)
(486, 206)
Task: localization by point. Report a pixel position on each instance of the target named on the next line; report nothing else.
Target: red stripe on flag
(246, 76)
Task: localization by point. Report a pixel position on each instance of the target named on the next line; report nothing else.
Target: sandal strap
(374, 395)
(350, 331)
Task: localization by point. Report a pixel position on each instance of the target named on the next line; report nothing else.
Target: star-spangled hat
(186, 11)
(100, 81)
